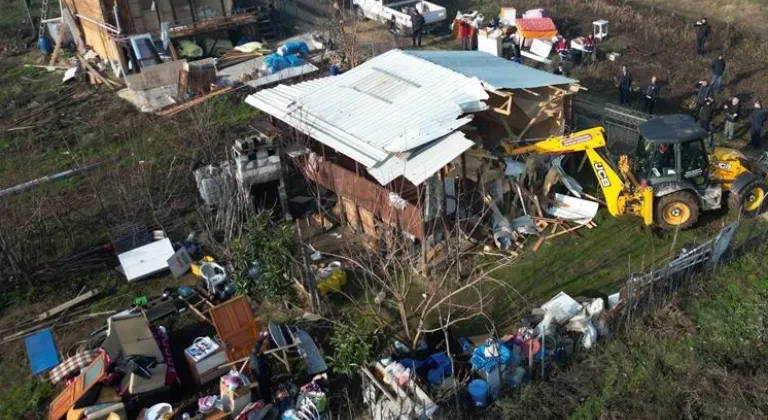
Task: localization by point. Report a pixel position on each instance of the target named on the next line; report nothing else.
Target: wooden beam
(66, 305)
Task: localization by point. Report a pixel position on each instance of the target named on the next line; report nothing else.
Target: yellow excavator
(672, 178)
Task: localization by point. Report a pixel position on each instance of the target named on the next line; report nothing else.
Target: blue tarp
(479, 361)
(41, 351)
(288, 55)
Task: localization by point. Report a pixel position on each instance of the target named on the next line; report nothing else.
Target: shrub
(269, 243)
(354, 344)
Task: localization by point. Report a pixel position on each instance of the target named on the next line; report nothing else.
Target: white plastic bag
(589, 337)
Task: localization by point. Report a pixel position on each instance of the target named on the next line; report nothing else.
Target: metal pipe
(51, 178)
(97, 23)
(117, 20)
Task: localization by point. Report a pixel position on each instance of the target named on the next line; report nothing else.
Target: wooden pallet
(199, 304)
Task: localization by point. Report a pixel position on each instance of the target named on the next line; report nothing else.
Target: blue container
(334, 70)
(466, 345)
(44, 45)
(478, 391)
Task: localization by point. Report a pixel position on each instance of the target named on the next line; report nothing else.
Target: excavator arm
(615, 184)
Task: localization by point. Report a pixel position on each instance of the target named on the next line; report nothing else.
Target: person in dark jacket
(732, 110)
(756, 123)
(718, 69)
(625, 84)
(417, 26)
(705, 113)
(703, 91)
(651, 95)
(702, 34)
(274, 20)
(392, 28)
(260, 370)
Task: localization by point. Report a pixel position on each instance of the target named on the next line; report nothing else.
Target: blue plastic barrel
(44, 45)
(478, 391)
(334, 70)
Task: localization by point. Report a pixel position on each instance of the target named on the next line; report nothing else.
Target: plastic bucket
(44, 45)
(478, 391)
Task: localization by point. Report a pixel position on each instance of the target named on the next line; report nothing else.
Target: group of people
(705, 106)
(563, 50)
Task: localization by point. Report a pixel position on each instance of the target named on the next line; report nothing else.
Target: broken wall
(148, 14)
(94, 16)
(516, 115)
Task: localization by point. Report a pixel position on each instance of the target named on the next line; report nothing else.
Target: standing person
(756, 124)
(703, 91)
(589, 49)
(705, 113)
(559, 70)
(625, 83)
(718, 69)
(392, 28)
(651, 95)
(562, 48)
(274, 20)
(732, 109)
(702, 34)
(260, 370)
(417, 25)
(464, 34)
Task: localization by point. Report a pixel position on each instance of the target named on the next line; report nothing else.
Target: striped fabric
(72, 365)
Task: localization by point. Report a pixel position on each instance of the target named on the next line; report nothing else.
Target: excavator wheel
(750, 200)
(678, 210)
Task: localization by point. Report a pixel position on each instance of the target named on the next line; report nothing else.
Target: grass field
(682, 363)
(700, 356)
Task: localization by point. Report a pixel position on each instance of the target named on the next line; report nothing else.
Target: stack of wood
(230, 58)
(556, 227)
(95, 77)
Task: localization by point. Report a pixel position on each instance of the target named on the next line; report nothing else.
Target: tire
(750, 200)
(678, 210)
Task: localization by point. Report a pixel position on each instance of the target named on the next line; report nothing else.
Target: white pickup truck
(383, 10)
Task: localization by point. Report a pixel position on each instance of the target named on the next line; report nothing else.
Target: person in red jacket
(562, 48)
(589, 49)
(562, 45)
(464, 30)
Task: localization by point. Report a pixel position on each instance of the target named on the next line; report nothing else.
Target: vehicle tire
(750, 200)
(678, 210)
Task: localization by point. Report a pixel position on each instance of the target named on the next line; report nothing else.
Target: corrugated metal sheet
(497, 72)
(393, 103)
(424, 162)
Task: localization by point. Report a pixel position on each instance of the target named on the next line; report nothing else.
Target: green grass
(17, 80)
(594, 261)
(230, 110)
(25, 397)
(685, 351)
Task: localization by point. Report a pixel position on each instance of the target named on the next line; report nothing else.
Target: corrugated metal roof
(393, 103)
(497, 72)
(422, 163)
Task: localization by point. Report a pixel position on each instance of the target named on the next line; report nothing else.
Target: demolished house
(121, 31)
(399, 136)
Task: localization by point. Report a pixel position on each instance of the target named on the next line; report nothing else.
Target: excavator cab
(671, 149)
(672, 158)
